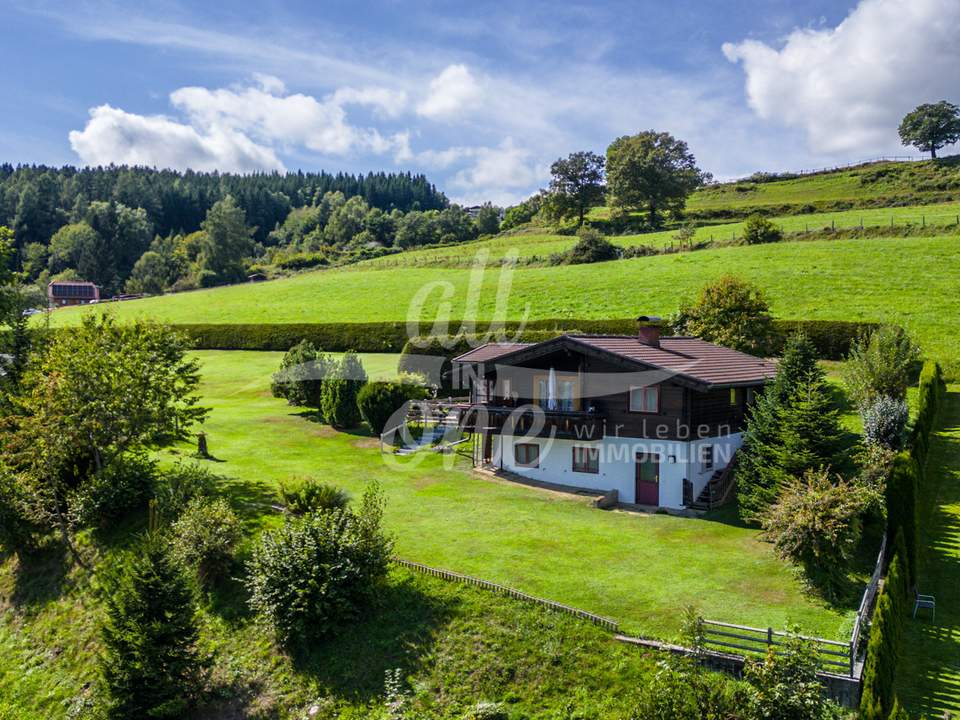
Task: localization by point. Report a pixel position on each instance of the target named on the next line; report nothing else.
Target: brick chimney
(649, 330)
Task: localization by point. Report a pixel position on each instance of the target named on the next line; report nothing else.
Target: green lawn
(911, 281)
(639, 569)
(929, 675)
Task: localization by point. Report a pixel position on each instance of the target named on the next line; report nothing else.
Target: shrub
(884, 422)
(728, 311)
(681, 689)
(338, 397)
(378, 401)
(301, 376)
(785, 685)
(177, 486)
(880, 366)
(757, 230)
(312, 577)
(816, 523)
(591, 247)
(205, 537)
(307, 495)
(150, 666)
(125, 484)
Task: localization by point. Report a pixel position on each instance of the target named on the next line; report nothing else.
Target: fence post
(769, 637)
(923, 218)
(833, 224)
(853, 659)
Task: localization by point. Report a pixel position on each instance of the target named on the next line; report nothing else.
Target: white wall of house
(679, 460)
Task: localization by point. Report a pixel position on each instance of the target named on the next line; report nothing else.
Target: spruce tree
(791, 428)
(150, 666)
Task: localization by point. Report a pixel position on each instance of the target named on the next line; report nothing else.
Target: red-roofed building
(658, 419)
(62, 293)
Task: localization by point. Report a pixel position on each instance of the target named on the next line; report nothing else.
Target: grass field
(639, 569)
(537, 246)
(876, 183)
(911, 281)
(929, 675)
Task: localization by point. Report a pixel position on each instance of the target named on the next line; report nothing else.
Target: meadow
(911, 281)
(531, 246)
(871, 184)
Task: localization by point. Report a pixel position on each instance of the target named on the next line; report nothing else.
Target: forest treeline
(96, 223)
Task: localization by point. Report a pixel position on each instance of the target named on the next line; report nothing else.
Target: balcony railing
(533, 421)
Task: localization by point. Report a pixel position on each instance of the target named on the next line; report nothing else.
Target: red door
(648, 479)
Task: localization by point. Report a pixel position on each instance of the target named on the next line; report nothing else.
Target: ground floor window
(526, 454)
(706, 457)
(586, 460)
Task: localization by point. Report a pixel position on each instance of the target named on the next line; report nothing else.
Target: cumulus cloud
(494, 173)
(239, 128)
(115, 136)
(847, 87)
(451, 93)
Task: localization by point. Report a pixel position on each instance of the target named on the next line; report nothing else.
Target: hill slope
(911, 281)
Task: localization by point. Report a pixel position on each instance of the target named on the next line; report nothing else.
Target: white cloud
(501, 174)
(239, 129)
(452, 93)
(847, 87)
(114, 136)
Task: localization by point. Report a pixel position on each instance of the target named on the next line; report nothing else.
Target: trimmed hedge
(906, 480)
(877, 699)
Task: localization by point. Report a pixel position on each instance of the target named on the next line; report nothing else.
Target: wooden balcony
(524, 420)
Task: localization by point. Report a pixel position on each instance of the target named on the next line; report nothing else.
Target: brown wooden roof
(490, 351)
(698, 360)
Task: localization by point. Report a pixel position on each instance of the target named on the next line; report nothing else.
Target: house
(655, 418)
(61, 293)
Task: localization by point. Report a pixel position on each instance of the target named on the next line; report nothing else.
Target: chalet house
(61, 293)
(655, 418)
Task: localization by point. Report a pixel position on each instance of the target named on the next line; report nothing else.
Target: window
(527, 454)
(706, 457)
(567, 397)
(733, 397)
(645, 399)
(586, 459)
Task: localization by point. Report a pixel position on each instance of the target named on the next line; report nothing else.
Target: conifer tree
(338, 398)
(762, 463)
(150, 666)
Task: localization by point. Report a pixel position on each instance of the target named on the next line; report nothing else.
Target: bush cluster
(884, 421)
(307, 495)
(313, 576)
(205, 537)
(757, 230)
(378, 401)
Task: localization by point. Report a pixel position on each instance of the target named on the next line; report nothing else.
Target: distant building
(474, 210)
(61, 293)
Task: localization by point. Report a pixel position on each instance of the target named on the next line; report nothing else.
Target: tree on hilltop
(577, 184)
(653, 171)
(931, 126)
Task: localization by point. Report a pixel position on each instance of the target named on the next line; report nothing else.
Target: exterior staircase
(718, 491)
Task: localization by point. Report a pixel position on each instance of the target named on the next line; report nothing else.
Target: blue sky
(480, 96)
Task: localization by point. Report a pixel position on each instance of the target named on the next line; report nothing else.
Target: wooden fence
(865, 611)
(726, 637)
(603, 622)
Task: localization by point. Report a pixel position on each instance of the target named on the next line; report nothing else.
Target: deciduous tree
(931, 126)
(576, 184)
(652, 171)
